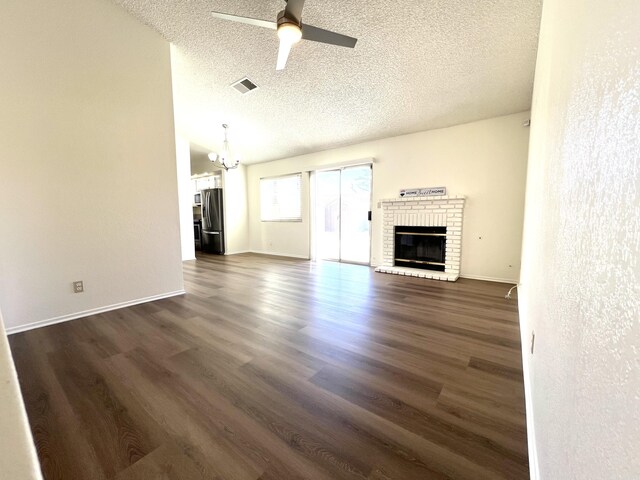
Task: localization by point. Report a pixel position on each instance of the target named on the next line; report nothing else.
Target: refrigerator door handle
(211, 233)
(206, 222)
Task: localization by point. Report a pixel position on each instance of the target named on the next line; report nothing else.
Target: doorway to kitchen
(341, 206)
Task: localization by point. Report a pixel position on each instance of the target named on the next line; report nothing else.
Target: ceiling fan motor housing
(283, 19)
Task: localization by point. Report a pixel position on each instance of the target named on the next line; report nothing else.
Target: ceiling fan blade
(316, 34)
(283, 55)
(250, 21)
(293, 10)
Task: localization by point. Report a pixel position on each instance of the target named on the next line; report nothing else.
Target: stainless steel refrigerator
(212, 221)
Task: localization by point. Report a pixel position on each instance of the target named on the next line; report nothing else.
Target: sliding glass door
(342, 208)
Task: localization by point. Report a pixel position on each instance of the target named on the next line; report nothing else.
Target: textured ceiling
(418, 65)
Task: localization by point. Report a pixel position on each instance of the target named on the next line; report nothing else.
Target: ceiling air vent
(244, 86)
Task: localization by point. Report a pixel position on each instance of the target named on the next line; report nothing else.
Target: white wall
(87, 160)
(485, 160)
(580, 272)
(200, 164)
(185, 198)
(236, 213)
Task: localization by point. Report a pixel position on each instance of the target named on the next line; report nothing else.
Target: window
(280, 199)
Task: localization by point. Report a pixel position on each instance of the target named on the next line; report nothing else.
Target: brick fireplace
(399, 214)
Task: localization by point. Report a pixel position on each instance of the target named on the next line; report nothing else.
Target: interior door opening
(342, 209)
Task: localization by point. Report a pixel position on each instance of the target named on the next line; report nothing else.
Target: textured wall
(580, 271)
(485, 160)
(88, 185)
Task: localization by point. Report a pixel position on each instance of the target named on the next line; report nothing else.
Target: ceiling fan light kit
(289, 34)
(291, 30)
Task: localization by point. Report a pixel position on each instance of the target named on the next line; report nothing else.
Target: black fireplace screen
(421, 247)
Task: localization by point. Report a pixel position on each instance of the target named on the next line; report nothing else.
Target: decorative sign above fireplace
(423, 192)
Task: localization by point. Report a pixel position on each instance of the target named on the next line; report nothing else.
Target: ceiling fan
(291, 30)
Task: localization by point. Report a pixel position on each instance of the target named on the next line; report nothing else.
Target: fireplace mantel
(439, 211)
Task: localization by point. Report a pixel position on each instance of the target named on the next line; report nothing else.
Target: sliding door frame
(314, 212)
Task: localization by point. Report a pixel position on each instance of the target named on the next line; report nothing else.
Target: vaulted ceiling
(417, 65)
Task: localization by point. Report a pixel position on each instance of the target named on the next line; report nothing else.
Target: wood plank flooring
(278, 369)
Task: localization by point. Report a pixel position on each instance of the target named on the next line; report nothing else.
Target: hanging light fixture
(224, 159)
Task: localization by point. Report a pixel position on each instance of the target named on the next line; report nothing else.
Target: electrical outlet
(78, 287)
(533, 341)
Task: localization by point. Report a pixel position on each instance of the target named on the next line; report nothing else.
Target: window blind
(281, 199)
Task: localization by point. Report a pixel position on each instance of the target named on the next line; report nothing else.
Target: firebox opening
(420, 247)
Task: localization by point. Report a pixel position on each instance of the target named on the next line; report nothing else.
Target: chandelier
(224, 159)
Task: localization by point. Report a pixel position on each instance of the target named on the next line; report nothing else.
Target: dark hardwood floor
(278, 369)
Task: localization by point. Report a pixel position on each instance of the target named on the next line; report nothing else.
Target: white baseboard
(527, 358)
(277, 254)
(534, 469)
(93, 311)
(238, 252)
(489, 279)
